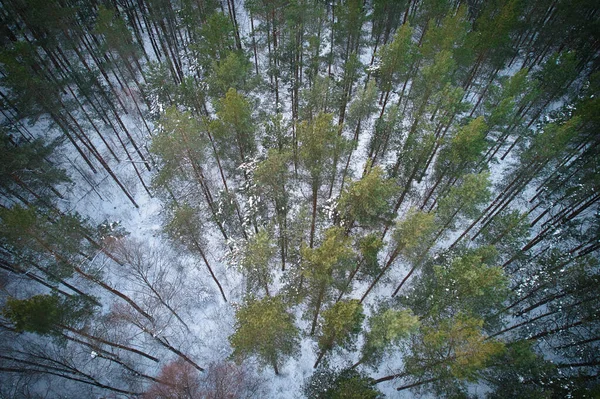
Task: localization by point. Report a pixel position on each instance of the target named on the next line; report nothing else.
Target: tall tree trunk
(320, 296)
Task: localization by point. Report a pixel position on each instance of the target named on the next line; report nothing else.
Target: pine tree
(232, 72)
(359, 111)
(266, 330)
(255, 261)
(320, 144)
(387, 328)
(367, 201)
(537, 377)
(180, 144)
(325, 267)
(411, 239)
(460, 350)
(45, 314)
(273, 178)
(342, 322)
(234, 125)
(485, 132)
(463, 200)
(27, 174)
(460, 282)
(333, 384)
(60, 243)
(186, 228)
(216, 41)
(459, 155)
(118, 39)
(396, 59)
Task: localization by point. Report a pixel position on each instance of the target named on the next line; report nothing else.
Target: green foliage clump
(264, 329)
(255, 261)
(413, 233)
(26, 163)
(325, 267)
(184, 226)
(345, 384)
(230, 73)
(396, 58)
(386, 328)
(271, 176)
(452, 351)
(324, 264)
(468, 283)
(367, 201)
(341, 325)
(537, 378)
(38, 314)
(46, 314)
(464, 199)
(369, 247)
(464, 281)
(217, 40)
(234, 129)
(31, 232)
(180, 145)
(319, 143)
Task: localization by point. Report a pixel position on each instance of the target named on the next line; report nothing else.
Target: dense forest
(299, 198)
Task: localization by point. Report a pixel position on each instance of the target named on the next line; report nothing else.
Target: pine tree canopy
(300, 199)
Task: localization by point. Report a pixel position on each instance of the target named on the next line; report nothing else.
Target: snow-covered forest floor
(434, 169)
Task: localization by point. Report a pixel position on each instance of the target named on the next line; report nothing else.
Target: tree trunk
(317, 309)
(393, 256)
(314, 214)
